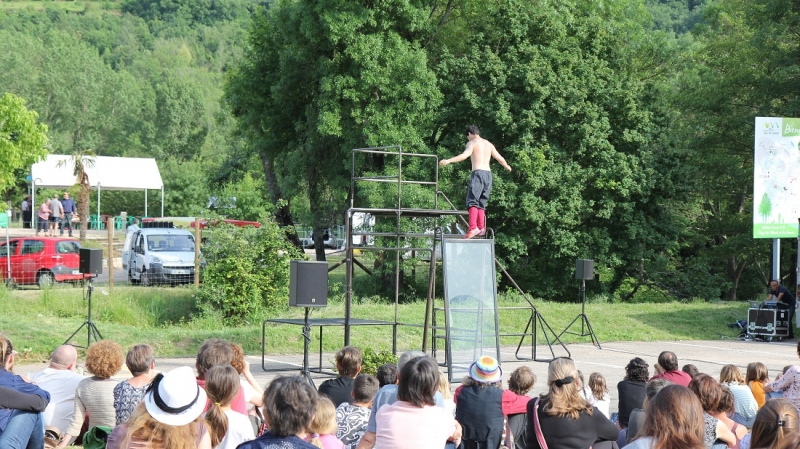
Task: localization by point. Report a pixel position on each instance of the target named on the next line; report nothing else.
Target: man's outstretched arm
(496, 155)
(463, 156)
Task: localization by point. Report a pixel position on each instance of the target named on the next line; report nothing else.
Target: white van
(159, 256)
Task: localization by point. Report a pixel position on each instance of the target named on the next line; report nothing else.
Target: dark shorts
(479, 188)
(54, 219)
(42, 224)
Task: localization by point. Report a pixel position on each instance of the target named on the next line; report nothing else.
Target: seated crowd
(219, 404)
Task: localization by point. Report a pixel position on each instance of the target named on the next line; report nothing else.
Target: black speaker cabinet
(91, 261)
(308, 284)
(584, 269)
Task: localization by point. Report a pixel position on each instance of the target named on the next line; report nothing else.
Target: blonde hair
(444, 386)
(597, 383)
(564, 388)
(143, 427)
(730, 374)
(775, 421)
(324, 422)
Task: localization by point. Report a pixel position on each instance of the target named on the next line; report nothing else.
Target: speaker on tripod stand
(308, 287)
(91, 264)
(584, 270)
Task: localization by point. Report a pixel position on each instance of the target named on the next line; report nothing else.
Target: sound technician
(785, 299)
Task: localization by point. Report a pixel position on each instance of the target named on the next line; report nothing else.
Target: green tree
(81, 161)
(765, 207)
(22, 139)
(322, 77)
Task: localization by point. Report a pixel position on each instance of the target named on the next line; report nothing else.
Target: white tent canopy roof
(110, 173)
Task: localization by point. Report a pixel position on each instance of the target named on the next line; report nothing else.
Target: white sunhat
(175, 398)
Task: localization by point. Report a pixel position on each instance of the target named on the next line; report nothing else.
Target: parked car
(328, 239)
(159, 256)
(41, 260)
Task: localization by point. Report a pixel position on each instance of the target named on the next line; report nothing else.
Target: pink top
(404, 425)
(676, 377)
(327, 440)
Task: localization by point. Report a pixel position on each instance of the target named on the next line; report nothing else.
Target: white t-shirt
(248, 390)
(239, 430)
(602, 404)
(61, 384)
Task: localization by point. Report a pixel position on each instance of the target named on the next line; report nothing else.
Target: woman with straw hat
(169, 417)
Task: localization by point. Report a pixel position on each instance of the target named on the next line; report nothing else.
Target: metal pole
(98, 203)
(196, 251)
(162, 200)
(111, 253)
(776, 259)
(145, 202)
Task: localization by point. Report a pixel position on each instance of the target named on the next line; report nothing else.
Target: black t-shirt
(566, 433)
(339, 390)
(787, 298)
(631, 396)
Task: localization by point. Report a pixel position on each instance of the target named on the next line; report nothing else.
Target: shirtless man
(480, 151)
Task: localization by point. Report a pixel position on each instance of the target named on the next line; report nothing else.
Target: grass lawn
(37, 321)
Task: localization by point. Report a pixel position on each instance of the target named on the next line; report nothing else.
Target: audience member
(252, 391)
(447, 395)
(322, 430)
(638, 415)
(289, 406)
(169, 416)
(562, 419)
(227, 428)
(788, 383)
(775, 421)
(756, 378)
(479, 405)
(95, 395)
(141, 362)
(674, 420)
(709, 392)
(214, 352)
(657, 370)
(387, 374)
(348, 365)
(60, 380)
(631, 389)
(416, 409)
(512, 402)
(791, 441)
(521, 381)
(669, 362)
(21, 426)
(599, 397)
(746, 405)
(690, 369)
(723, 413)
(352, 419)
(387, 395)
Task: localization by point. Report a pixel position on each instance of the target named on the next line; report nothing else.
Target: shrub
(248, 270)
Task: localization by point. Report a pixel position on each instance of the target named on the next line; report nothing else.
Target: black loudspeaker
(91, 261)
(308, 284)
(584, 269)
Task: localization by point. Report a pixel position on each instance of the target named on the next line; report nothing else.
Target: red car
(41, 260)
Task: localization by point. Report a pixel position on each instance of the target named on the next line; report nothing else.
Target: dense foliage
(628, 122)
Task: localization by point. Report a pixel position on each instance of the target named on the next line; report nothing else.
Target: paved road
(708, 356)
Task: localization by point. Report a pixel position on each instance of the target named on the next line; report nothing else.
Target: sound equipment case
(768, 322)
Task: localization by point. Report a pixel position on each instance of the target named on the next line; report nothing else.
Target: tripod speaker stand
(89, 324)
(584, 270)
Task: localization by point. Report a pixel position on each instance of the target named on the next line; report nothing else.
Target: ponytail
(222, 384)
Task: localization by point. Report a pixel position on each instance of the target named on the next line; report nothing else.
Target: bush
(247, 272)
(373, 360)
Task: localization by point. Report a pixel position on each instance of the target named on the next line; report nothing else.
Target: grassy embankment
(37, 321)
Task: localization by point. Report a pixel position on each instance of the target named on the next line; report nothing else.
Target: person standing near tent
(481, 152)
(69, 209)
(785, 300)
(56, 211)
(43, 217)
(27, 212)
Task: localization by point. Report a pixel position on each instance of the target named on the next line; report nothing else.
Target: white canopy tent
(112, 173)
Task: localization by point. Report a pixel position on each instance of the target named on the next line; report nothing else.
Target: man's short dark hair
(668, 360)
(289, 405)
(387, 374)
(365, 387)
(473, 129)
(348, 361)
(213, 352)
(419, 379)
